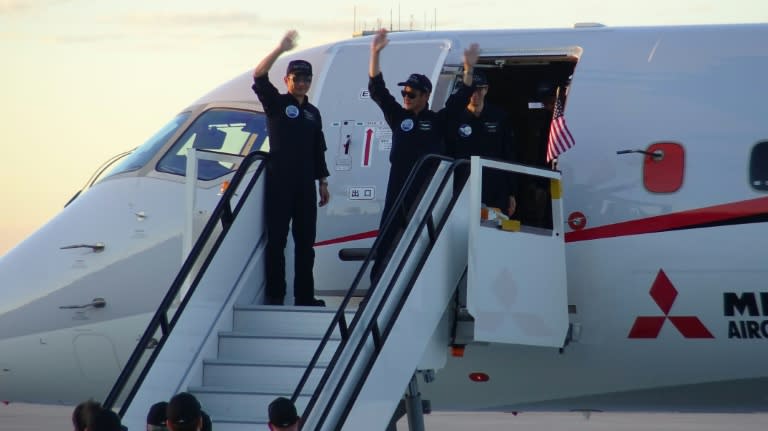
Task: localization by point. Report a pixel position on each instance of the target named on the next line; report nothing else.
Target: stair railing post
(413, 405)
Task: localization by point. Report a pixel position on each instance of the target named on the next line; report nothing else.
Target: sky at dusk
(83, 80)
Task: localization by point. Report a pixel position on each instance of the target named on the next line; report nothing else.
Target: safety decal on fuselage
(368, 136)
(364, 193)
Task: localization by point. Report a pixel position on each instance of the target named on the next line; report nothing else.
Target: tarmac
(28, 417)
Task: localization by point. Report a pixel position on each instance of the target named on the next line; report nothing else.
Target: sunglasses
(302, 78)
(409, 94)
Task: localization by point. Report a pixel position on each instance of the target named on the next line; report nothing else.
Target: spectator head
(282, 415)
(106, 420)
(207, 424)
(183, 413)
(156, 417)
(83, 414)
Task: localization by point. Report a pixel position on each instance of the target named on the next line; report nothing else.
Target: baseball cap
(282, 412)
(299, 67)
(479, 79)
(183, 409)
(417, 81)
(156, 414)
(106, 420)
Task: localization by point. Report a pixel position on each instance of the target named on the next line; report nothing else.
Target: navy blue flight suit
(413, 136)
(488, 135)
(297, 159)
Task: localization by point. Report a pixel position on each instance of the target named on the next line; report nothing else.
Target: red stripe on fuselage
(714, 214)
(717, 213)
(354, 237)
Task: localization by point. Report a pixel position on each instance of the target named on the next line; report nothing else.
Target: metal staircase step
(257, 374)
(242, 404)
(246, 347)
(285, 320)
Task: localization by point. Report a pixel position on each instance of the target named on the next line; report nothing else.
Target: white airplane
(665, 220)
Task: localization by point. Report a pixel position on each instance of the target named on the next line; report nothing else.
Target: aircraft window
(758, 167)
(664, 173)
(141, 155)
(222, 130)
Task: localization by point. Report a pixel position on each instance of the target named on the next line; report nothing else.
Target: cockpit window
(220, 130)
(148, 149)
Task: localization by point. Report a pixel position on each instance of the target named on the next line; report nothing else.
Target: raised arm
(457, 101)
(378, 90)
(286, 44)
(379, 42)
(471, 55)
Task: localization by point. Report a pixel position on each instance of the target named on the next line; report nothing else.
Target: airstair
(348, 365)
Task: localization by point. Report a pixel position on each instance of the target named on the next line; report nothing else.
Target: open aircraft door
(516, 279)
(359, 140)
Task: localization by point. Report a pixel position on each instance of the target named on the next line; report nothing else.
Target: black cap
(207, 424)
(479, 79)
(183, 409)
(106, 420)
(299, 67)
(282, 412)
(156, 415)
(418, 81)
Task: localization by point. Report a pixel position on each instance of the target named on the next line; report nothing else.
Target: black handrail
(373, 327)
(223, 212)
(340, 318)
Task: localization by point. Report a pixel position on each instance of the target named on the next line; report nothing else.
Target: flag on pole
(560, 138)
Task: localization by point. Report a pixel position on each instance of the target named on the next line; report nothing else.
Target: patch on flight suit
(425, 126)
(309, 116)
(406, 125)
(291, 111)
(492, 127)
(465, 130)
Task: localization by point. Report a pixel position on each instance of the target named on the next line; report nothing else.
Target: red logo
(664, 293)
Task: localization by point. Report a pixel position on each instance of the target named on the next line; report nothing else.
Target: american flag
(560, 138)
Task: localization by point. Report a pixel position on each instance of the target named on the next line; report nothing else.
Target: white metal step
(232, 424)
(285, 320)
(246, 347)
(258, 374)
(241, 404)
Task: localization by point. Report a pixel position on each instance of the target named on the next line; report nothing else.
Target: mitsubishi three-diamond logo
(664, 293)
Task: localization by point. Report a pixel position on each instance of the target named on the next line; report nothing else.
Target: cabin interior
(526, 87)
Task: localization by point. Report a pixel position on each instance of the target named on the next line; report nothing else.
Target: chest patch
(425, 126)
(309, 116)
(491, 127)
(406, 125)
(465, 130)
(291, 111)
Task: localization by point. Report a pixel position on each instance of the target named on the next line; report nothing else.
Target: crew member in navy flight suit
(297, 159)
(484, 130)
(416, 130)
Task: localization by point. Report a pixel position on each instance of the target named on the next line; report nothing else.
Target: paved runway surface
(28, 417)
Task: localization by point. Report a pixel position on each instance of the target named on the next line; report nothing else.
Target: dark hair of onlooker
(156, 417)
(83, 414)
(105, 420)
(183, 412)
(207, 424)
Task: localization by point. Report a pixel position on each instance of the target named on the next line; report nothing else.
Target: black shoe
(312, 303)
(273, 301)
